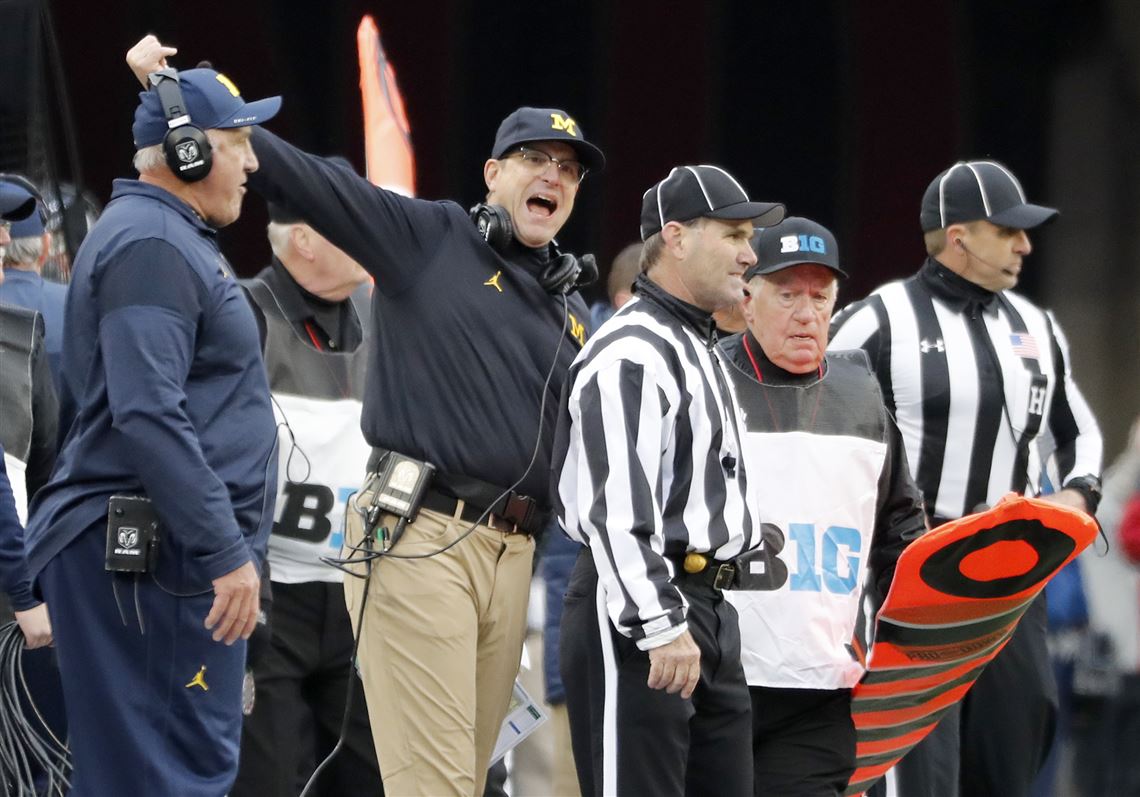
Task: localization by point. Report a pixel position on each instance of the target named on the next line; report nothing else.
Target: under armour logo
(1036, 400)
(199, 680)
(494, 282)
(926, 346)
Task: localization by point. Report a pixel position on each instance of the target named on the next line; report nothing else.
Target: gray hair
(149, 159)
(278, 235)
(24, 251)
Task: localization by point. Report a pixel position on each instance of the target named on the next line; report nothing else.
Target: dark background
(843, 110)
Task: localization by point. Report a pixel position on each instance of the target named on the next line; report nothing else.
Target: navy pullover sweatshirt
(164, 391)
(464, 335)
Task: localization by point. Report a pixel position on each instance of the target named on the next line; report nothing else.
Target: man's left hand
(234, 613)
(148, 55)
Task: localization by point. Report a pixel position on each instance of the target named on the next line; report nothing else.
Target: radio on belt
(401, 483)
(132, 535)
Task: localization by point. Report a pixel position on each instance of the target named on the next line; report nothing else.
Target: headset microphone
(979, 259)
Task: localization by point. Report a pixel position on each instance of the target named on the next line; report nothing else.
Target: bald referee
(979, 381)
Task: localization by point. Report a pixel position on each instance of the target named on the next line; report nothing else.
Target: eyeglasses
(536, 160)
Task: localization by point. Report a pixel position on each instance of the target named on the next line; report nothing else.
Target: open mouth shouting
(542, 203)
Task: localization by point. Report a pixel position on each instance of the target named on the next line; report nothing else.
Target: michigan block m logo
(560, 122)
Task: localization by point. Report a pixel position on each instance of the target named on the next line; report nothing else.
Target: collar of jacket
(699, 320)
(772, 373)
(124, 187)
(956, 292)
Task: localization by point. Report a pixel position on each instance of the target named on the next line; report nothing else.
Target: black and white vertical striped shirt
(647, 459)
(980, 387)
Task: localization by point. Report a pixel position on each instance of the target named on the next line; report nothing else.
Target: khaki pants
(439, 650)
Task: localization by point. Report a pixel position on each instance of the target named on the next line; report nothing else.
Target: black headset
(565, 272)
(185, 145)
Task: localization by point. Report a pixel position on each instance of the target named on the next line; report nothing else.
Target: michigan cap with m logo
(527, 124)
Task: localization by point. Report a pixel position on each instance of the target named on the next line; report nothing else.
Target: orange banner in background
(390, 160)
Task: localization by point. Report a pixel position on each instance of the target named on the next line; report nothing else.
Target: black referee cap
(979, 191)
(693, 192)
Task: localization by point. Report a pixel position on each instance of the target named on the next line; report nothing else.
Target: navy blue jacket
(164, 390)
(28, 289)
(14, 578)
(464, 335)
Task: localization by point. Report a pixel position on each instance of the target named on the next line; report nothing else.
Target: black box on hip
(132, 534)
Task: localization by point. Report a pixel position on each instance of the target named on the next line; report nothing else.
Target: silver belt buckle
(725, 575)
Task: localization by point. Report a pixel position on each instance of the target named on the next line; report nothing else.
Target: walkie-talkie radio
(132, 535)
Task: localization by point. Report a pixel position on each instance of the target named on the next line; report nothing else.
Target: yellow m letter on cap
(560, 122)
(229, 84)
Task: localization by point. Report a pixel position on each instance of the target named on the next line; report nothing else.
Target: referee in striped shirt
(647, 473)
(979, 381)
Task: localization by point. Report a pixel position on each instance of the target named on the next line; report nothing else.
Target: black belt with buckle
(702, 569)
(445, 505)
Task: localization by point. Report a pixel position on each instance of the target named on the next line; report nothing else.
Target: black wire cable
(369, 554)
(342, 563)
(348, 692)
(27, 744)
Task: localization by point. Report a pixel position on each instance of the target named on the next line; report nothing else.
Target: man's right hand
(148, 55)
(36, 626)
(234, 613)
(675, 667)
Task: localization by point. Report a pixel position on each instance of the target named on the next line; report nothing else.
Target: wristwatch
(1089, 488)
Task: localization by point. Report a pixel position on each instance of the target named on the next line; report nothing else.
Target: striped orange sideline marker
(956, 597)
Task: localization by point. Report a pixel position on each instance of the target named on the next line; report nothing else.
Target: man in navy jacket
(164, 397)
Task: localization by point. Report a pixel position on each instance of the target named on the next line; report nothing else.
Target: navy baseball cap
(792, 242)
(546, 124)
(211, 101)
(691, 192)
(979, 191)
(32, 226)
(16, 202)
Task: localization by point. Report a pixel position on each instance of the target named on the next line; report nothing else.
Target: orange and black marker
(956, 598)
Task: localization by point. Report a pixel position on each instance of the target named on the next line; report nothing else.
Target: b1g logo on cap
(187, 151)
(803, 243)
(567, 123)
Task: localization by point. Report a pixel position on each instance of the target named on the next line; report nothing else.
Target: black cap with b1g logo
(792, 242)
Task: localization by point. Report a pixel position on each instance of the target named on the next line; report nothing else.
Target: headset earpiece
(568, 273)
(494, 225)
(565, 272)
(185, 145)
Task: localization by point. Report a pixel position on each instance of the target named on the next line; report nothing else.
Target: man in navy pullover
(164, 396)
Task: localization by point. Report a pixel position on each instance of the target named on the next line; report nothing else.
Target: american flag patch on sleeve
(1025, 345)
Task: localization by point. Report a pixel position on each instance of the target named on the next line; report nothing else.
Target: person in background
(315, 346)
(23, 283)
